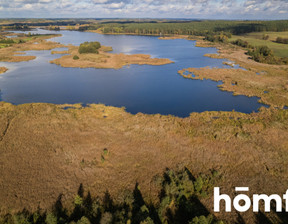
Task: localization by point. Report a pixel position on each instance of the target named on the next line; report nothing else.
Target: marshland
(142, 142)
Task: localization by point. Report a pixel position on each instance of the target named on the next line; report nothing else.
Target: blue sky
(198, 9)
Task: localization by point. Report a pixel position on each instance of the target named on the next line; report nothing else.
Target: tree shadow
(281, 217)
(240, 219)
(107, 201)
(138, 212)
(80, 191)
(154, 214)
(262, 218)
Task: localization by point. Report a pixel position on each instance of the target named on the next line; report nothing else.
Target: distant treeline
(178, 204)
(23, 26)
(56, 28)
(14, 27)
(165, 27)
(198, 28)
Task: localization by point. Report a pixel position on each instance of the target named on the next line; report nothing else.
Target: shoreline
(268, 82)
(105, 60)
(11, 53)
(262, 86)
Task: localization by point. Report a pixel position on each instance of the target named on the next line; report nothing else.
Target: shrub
(89, 47)
(202, 220)
(7, 41)
(198, 184)
(282, 40)
(105, 151)
(217, 37)
(265, 55)
(51, 219)
(107, 218)
(241, 43)
(84, 220)
(75, 57)
(265, 37)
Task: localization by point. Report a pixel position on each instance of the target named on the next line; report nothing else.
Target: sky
(193, 9)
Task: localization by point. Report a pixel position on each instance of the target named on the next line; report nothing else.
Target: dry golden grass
(174, 37)
(269, 82)
(46, 151)
(59, 52)
(9, 54)
(106, 60)
(106, 48)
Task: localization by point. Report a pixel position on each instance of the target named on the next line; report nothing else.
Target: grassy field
(280, 50)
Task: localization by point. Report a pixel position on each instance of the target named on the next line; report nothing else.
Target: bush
(241, 43)
(265, 37)
(7, 41)
(75, 57)
(264, 54)
(202, 220)
(282, 40)
(51, 219)
(84, 220)
(217, 37)
(89, 47)
(198, 184)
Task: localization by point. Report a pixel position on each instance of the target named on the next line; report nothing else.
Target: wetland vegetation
(141, 168)
(93, 55)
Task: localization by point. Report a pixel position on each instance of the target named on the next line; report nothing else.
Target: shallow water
(139, 88)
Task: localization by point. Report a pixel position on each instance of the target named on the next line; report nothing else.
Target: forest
(178, 203)
(213, 31)
(198, 28)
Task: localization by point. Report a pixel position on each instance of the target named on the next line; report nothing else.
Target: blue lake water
(139, 88)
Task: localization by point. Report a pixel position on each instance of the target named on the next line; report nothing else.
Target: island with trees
(93, 55)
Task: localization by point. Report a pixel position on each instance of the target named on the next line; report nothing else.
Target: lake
(138, 88)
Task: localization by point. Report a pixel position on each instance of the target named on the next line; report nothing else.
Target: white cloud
(115, 5)
(211, 9)
(27, 6)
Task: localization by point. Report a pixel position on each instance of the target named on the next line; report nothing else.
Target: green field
(255, 39)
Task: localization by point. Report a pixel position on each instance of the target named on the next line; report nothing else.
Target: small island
(3, 69)
(93, 55)
(13, 49)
